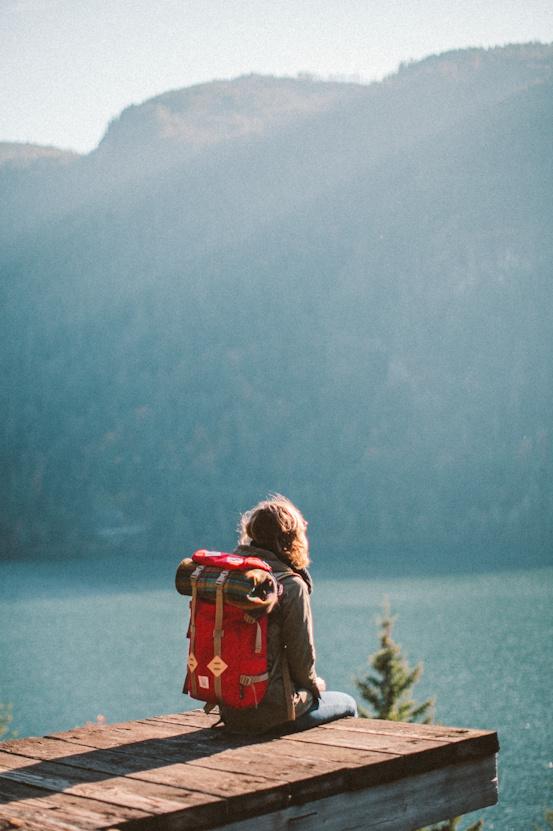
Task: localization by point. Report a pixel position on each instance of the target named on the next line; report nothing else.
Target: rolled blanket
(254, 590)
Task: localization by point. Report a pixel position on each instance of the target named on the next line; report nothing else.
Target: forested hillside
(338, 291)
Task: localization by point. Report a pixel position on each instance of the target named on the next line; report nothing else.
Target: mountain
(22, 155)
(338, 291)
(199, 117)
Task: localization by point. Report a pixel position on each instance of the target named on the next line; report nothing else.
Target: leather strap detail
(258, 633)
(258, 639)
(247, 680)
(218, 631)
(192, 663)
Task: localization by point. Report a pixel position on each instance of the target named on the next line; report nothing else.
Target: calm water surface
(72, 649)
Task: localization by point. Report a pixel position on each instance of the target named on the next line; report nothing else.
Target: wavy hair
(277, 525)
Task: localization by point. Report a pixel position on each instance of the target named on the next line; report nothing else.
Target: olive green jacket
(289, 641)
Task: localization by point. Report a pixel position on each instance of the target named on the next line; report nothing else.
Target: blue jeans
(330, 706)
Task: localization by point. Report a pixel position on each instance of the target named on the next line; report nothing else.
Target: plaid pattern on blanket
(254, 590)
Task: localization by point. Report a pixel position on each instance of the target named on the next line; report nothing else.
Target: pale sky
(69, 66)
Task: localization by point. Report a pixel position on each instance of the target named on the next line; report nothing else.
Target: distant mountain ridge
(207, 114)
(339, 291)
(20, 155)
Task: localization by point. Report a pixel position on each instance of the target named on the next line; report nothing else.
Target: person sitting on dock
(296, 698)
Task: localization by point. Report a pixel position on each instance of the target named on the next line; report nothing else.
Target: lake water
(73, 648)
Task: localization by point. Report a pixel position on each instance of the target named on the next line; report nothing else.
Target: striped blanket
(254, 590)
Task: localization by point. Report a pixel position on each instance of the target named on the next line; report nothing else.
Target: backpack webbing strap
(251, 680)
(218, 634)
(258, 633)
(246, 680)
(192, 663)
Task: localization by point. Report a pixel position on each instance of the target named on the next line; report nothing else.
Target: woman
(296, 698)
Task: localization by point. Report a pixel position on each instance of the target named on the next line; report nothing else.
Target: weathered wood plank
(264, 757)
(422, 753)
(390, 738)
(397, 806)
(295, 758)
(310, 776)
(330, 769)
(344, 755)
(55, 810)
(45, 749)
(184, 748)
(483, 742)
(381, 766)
(130, 757)
(122, 780)
(162, 770)
(379, 742)
(123, 791)
(311, 780)
(28, 824)
(188, 748)
(197, 718)
(404, 728)
(419, 754)
(250, 787)
(121, 734)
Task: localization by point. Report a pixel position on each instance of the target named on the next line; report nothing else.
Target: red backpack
(231, 596)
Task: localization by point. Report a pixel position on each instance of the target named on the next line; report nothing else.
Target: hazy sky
(68, 66)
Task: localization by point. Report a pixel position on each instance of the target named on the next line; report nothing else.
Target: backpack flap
(230, 562)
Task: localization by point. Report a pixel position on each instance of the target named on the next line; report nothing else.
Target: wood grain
(174, 772)
(397, 806)
(52, 809)
(124, 791)
(482, 741)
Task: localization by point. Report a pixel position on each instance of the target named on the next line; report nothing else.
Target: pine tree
(388, 688)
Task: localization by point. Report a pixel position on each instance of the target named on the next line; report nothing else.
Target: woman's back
(275, 531)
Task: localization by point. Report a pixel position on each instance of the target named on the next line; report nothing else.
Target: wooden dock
(174, 772)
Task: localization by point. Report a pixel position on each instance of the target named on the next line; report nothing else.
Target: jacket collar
(277, 565)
